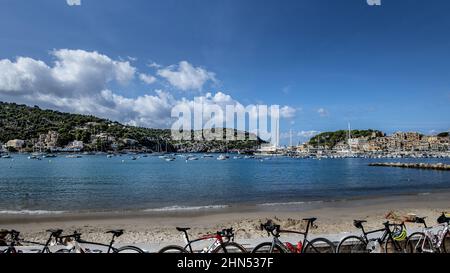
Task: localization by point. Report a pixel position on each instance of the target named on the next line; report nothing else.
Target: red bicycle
(223, 242)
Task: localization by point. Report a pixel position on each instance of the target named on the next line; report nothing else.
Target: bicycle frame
(79, 242)
(387, 233)
(435, 239)
(218, 242)
(16, 241)
(277, 241)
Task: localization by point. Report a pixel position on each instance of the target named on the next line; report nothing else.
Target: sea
(96, 183)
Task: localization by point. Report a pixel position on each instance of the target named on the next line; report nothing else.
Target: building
(48, 141)
(15, 143)
(75, 145)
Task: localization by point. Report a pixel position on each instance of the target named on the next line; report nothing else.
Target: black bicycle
(317, 245)
(223, 243)
(391, 241)
(77, 244)
(15, 241)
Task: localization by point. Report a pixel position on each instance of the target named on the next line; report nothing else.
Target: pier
(437, 166)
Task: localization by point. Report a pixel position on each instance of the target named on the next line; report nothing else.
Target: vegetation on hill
(28, 123)
(330, 139)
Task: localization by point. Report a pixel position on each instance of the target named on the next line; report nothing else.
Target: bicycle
(76, 242)
(223, 243)
(429, 241)
(391, 239)
(317, 245)
(15, 241)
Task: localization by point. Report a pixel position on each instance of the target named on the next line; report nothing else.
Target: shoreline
(36, 216)
(159, 228)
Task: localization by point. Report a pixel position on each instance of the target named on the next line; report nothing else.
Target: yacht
(222, 157)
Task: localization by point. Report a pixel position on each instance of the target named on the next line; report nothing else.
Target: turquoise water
(98, 183)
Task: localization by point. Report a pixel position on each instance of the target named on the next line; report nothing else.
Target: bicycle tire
(359, 245)
(260, 248)
(446, 243)
(416, 247)
(231, 245)
(129, 249)
(316, 246)
(172, 249)
(64, 250)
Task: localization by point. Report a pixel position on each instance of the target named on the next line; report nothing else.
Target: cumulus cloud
(148, 79)
(185, 76)
(79, 81)
(73, 2)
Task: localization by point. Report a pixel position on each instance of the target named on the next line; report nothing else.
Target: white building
(15, 143)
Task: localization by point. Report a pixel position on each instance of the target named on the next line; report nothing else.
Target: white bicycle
(430, 240)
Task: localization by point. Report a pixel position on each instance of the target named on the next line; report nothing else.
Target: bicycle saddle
(55, 231)
(420, 220)
(312, 220)
(116, 232)
(183, 229)
(358, 223)
(443, 219)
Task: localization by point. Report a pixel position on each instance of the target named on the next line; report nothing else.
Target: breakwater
(437, 166)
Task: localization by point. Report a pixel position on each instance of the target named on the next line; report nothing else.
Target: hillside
(28, 123)
(330, 139)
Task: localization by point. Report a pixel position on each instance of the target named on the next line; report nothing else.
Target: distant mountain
(29, 123)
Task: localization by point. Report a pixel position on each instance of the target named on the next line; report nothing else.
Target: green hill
(330, 139)
(28, 123)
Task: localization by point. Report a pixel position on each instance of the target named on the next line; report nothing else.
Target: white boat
(192, 158)
(207, 156)
(222, 157)
(73, 156)
(170, 159)
(6, 156)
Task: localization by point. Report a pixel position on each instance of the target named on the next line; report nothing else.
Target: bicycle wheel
(352, 244)
(265, 248)
(172, 249)
(419, 243)
(393, 246)
(64, 250)
(230, 247)
(319, 245)
(446, 243)
(129, 249)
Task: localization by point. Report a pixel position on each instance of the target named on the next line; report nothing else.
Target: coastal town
(400, 144)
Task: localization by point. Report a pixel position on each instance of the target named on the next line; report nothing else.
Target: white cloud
(185, 76)
(148, 79)
(322, 112)
(154, 65)
(287, 112)
(79, 81)
(73, 2)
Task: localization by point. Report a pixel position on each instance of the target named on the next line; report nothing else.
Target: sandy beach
(154, 229)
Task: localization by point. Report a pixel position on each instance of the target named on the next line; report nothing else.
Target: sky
(325, 62)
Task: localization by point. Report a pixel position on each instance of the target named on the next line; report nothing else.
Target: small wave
(30, 212)
(424, 193)
(288, 203)
(186, 208)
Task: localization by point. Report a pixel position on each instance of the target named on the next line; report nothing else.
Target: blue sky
(330, 62)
